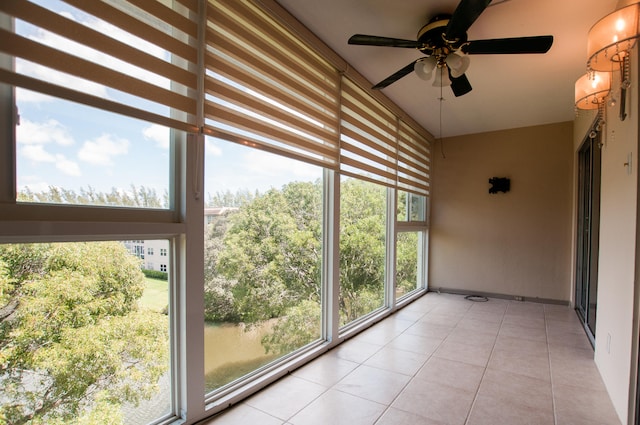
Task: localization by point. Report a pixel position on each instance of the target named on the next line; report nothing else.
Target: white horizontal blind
(138, 57)
(368, 148)
(265, 88)
(414, 160)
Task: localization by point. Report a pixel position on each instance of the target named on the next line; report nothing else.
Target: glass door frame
(588, 229)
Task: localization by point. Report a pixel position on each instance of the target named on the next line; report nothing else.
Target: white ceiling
(509, 91)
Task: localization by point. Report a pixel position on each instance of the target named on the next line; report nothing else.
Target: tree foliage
(73, 344)
(272, 249)
(136, 197)
(264, 260)
(362, 248)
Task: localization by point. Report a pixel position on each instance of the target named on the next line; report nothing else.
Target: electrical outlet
(518, 298)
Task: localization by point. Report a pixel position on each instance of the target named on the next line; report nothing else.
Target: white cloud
(67, 166)
(37, 153)
(159, 134)
(264, 163)
(41, 133)
(28, 96)
(33, 182)
(58, 78)
(212, 147)
(101, 151)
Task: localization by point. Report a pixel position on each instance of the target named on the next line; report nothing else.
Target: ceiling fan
(442, 40)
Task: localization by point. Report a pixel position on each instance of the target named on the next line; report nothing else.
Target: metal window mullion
(8, 122)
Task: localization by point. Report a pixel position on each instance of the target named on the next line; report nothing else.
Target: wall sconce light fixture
(610, 42)
(591, 91)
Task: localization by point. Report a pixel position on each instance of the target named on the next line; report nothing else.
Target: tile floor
(444, 360)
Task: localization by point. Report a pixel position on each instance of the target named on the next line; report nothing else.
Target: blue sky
(68, 145)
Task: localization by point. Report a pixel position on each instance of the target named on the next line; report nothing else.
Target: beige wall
(617, 256)
(518, 243)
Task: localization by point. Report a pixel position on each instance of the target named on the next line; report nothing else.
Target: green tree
(298, 327)
(73, 345)
(362, 248)
(272, 249)
(264, 261)
(406, 262)
(137, 197)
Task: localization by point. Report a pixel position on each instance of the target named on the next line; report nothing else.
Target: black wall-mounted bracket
(499, 184)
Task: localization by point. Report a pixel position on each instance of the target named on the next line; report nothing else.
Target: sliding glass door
(588, 230)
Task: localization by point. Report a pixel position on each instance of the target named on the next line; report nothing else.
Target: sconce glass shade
(591, 89)
(424, 67)
(612, 37)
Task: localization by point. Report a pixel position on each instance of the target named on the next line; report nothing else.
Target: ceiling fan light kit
(443, 41)
(609, 44)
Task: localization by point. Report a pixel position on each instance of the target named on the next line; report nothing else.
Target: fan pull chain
(441, 99)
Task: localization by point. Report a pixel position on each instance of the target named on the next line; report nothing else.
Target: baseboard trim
(454, 291)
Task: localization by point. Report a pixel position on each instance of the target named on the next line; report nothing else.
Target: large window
(84, 335)
(363, 225)
(263, 259)
(411, 244)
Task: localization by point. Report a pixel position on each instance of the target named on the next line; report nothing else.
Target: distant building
(211, 213)
(154, 253)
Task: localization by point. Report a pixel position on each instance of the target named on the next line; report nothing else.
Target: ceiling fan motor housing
(432, 37)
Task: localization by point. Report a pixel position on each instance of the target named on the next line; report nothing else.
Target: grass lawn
(155, 295)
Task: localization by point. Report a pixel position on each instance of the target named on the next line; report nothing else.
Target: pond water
(232, 350)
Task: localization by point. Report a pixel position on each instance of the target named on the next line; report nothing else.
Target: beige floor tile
(395, 323)
(430, 330)
(570, 339)
(526, 308)
(297, 392)
(454, 309)
(531, 364)
(441, 319)
(572, 325)
(243, 415)
(377, 335)
(524, 321)
(326, 370)
(486, 411)
(506, 388)
(560, 313)
(471, 337)
(415, 344)
(436, 401)
(454, 374)
(411, 315)
(470, 354)
(521, 345)
(399, 417)
(485, 316)
(576, 372)
(399, 361)
(479, 326)
(338, 408)
(373, 384)
(575, 404)
(570, 354)
(356, 351)
(518, 331)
